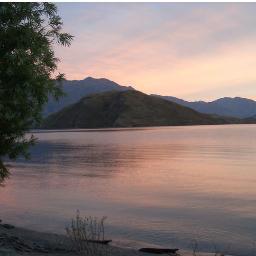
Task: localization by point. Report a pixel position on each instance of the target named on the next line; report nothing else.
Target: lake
(165, 186)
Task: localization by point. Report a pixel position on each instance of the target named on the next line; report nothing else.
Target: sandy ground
(18, 241)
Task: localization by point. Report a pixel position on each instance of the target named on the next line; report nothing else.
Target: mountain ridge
(238, 107)
(74, 90)
(128, 108)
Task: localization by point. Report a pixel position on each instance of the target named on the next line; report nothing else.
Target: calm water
(163, 186)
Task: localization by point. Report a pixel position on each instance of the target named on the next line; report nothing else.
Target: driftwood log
(99, 241)
(158, 250)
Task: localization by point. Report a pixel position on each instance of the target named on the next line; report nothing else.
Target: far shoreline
(134, 128)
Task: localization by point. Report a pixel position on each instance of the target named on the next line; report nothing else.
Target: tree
(28, 69)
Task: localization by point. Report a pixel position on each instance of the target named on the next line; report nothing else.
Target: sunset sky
(196, 51)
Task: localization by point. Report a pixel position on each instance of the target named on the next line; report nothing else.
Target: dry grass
(86, 234)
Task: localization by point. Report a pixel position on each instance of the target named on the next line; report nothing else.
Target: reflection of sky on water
(162, 186)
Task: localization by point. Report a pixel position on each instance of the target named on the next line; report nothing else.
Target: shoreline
(128, 128)
(20, 241)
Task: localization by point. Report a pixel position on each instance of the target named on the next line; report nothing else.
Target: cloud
(168, 48)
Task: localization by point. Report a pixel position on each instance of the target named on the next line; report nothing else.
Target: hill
(236, 107)
(127, 109)
(250, 120)
(77, 89)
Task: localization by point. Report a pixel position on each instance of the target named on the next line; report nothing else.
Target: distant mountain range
(233, 107)
(129, 108)
(77, 89)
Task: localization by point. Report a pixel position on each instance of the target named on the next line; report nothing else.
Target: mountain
(234, 107)
(250, 120)
(128, 108)
(76, 89)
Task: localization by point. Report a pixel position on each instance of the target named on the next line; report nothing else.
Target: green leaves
(27, 68)
(65, 39)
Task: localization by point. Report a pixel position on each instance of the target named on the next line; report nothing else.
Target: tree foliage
(28, 68)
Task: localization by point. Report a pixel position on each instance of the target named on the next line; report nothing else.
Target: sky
(194, 51)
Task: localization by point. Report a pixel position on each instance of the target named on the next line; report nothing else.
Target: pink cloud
(177, 56)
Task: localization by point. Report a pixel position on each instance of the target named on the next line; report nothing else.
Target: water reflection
(162, 186)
